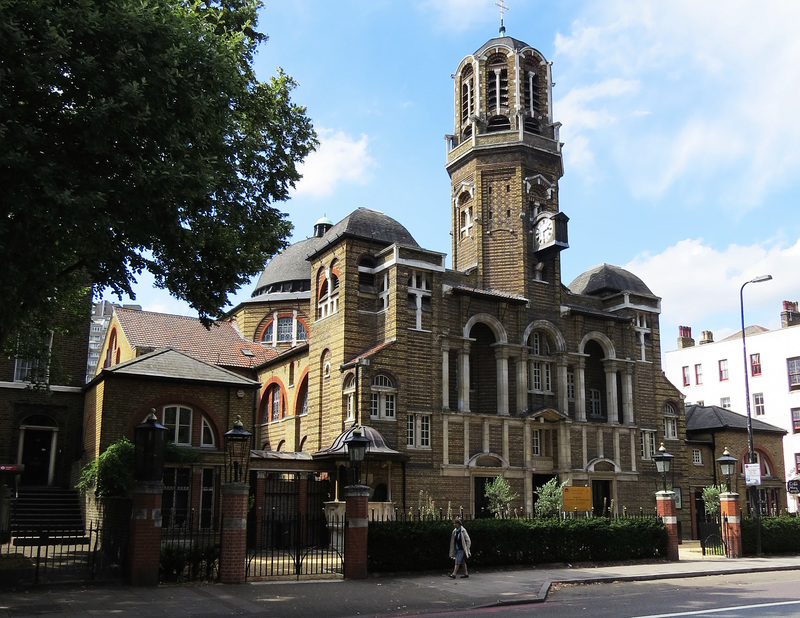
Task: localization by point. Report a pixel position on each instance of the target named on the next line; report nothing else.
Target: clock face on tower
(544, 232)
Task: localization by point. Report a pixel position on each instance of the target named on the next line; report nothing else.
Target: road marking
(720, 609)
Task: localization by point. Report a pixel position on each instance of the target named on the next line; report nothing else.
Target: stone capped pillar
(665, 507)
(731, 524)
(145, 533)
(355, 545)
(232, 560)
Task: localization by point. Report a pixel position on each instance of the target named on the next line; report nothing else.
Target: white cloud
(700, 284)
(719, 80)
(339, 159)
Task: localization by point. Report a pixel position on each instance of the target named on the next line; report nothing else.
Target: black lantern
(727, 464)
(150, 443)
(237, 446)
(663, 463)
(356, 446)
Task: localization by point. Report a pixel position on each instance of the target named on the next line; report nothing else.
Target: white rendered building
(712, 373)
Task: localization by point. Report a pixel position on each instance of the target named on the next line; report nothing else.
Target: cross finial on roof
(503, 9)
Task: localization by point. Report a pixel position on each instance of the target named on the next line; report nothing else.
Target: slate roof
(370, 225)
(710, 418)
(755, 329)
(508, 41)
(290, 264)
(469, 290)
(221, 344)
(377, 450)
(608, 279)
(173, 365)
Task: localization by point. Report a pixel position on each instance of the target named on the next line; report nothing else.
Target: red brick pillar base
(145, 533)
(665, 507)
(232, 560)
(355, 544)
(731, 524)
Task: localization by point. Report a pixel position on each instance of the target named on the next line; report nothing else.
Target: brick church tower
(504, 162)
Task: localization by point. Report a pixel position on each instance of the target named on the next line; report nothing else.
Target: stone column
(445, 375)
(501, 356)
(145, 533)
(731, 524)
(611, 392)
(355, 547)
(463, 378)
(627, 395)
(580, 390)
(522, 383)
(561, 382)
(233, 556)
(665, 507)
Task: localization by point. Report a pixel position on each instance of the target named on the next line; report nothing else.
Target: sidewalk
(383, 595)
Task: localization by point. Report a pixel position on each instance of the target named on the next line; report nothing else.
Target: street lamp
(150, 443)
(750, 450)
(727, 464)
(237, 452)
(663, 462)
(356, 446)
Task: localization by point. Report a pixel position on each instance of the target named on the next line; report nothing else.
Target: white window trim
(418, 431)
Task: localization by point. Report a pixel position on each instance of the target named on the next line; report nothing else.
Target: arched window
(382, 398)
(178, 421)
(349, 398)
(467, 100)
(328, 293)
(301, 405)
(274, 404)
(761, 459)
(541, 367)
(670, 421)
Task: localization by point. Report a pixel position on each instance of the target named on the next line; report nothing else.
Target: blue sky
(681, 131)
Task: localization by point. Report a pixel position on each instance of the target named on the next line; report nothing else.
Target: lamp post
(727, 464)
(750, 450)
(237, 452)
(356, 446)
(663, 463)
(150, 443)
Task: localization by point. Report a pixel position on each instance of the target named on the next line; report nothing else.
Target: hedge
(779, 535)
(424, 545)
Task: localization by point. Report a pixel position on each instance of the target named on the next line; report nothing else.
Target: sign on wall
(577, 499)
(793, 486)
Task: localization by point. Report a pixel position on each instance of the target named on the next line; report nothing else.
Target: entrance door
(481, 501)
(601, 497)
(36, 453)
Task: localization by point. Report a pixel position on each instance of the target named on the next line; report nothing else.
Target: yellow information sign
(577, 499)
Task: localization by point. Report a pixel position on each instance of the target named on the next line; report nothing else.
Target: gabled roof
(754, 329)
(221, 344)
(711, 418)
(170, 364)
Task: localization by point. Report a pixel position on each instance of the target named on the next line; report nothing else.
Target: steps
(47, 509)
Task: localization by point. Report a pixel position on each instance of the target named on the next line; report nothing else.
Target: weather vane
(503, 9)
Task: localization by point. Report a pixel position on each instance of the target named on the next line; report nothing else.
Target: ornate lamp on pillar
(357, 509)
(729, 508)
(150, 441)
(665, 503)
(235, 492)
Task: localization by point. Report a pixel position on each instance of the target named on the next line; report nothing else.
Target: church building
(491, 368)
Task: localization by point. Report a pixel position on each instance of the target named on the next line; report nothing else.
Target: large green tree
(134, 134)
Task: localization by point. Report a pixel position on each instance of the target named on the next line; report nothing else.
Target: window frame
(178, 425)
(383, 398)
(793, 372)
(723, 370)
(698, 374)
(795, 414)
(759, 408)
(687, 380)
(647, 439)
(418, 430)
(755, 364)
(697, 457)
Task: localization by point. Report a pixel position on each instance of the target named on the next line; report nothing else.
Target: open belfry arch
(492, 367)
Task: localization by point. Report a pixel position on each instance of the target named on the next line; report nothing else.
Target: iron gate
(711, 540)
(289, 534)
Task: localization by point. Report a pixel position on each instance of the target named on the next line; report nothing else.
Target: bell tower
(504, 161)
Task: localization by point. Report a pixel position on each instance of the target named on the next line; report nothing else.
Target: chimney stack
(707, 337)
(685, 337)
(789, 316)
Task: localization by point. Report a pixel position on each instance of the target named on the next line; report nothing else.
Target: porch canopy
(377, 450)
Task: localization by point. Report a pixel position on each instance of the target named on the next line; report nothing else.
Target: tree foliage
(711, 498)
(111, 474)
(498, 493)
(134, 134)
(551, 498)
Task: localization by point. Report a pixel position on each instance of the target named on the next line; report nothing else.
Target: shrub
(500, 497)
(111, 474)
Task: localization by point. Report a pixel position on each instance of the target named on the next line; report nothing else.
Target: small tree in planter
(499, 494)
(551, 499)
(711, 499)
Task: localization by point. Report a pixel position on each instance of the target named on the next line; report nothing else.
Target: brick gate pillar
(665, 507)
(355, 543)
(731, 524)
(232, 560)
(145, 533)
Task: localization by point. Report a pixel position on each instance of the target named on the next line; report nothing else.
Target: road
(725, 596)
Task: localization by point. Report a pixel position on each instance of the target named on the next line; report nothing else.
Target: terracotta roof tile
(221, 344)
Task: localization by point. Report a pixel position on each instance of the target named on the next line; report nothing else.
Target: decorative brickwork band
(665, 506)
(145, 533)
(731, 524)
(233, 555)
(355, 544)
